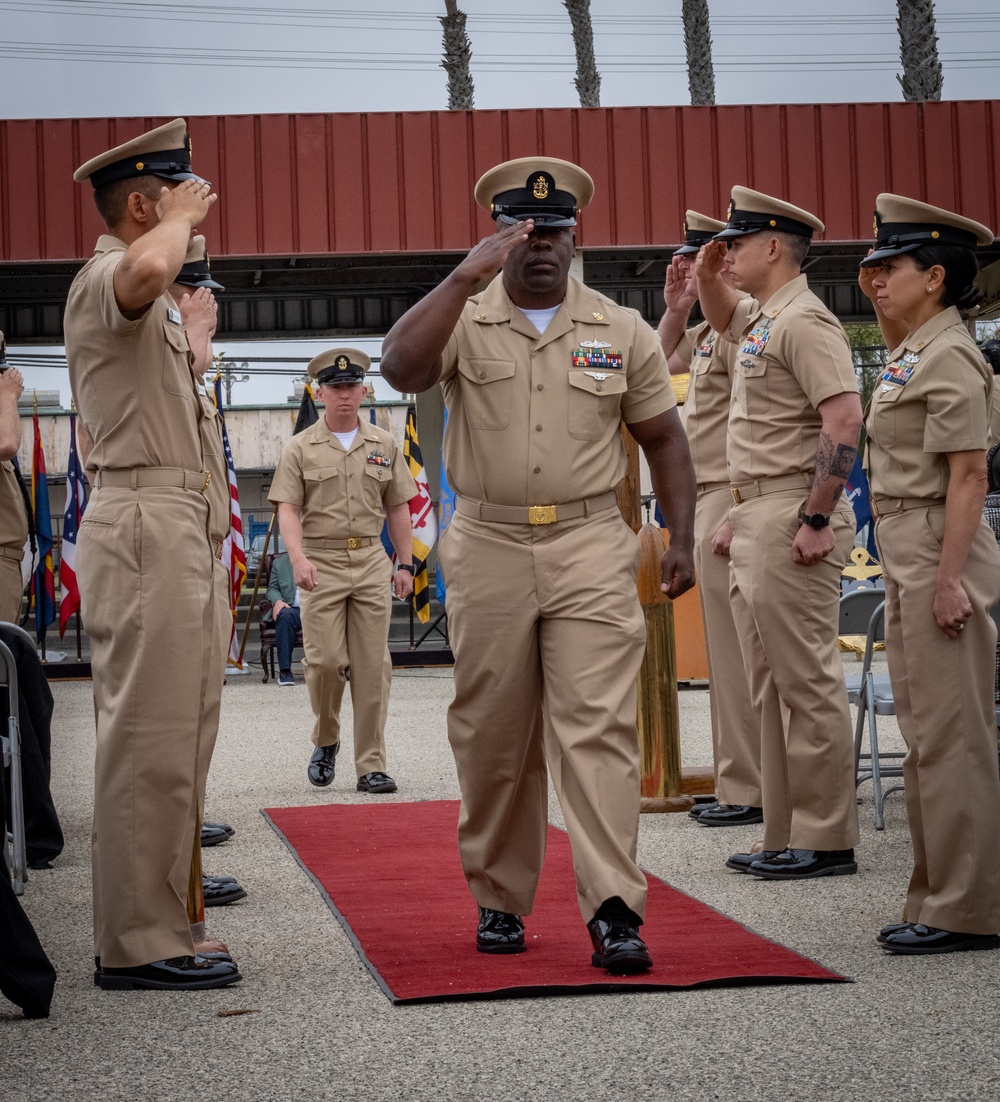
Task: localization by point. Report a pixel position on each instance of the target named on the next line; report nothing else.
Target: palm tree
(457, 55)
(698, 43)
(922, 78)
(588, 79)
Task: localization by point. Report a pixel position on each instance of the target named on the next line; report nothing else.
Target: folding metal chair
(15, 852)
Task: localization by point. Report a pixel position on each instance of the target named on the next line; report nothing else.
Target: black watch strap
(408, 567)
(815, 520)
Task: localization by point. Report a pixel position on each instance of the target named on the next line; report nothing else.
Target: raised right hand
(680, 291)
(487, 258)
(190, 200)
(711, 260)
(11, 383)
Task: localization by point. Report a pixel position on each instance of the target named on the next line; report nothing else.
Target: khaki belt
(742, 491)
(142, 477)
(886, 506)
(15, 553)
(352, 543)
(534, 514)
(706, 487)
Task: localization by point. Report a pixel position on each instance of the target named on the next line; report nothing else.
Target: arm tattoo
(833, 461)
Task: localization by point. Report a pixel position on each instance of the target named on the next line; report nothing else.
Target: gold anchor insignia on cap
(342, 363)
(540, 189)
(875, 223)
(729, 212)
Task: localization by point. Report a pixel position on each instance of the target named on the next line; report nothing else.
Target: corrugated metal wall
(348, 184)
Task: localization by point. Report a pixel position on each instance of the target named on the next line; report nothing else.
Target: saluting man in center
(335, 485)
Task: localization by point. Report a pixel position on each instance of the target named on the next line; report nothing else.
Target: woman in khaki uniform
(927, 429)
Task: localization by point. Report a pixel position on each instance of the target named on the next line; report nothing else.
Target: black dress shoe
(741, 862)
(322, 765)
(220, 892)
(803, 864)
(499, 932)
(698, 810)
(726, 815)
(376, 782)
(892, 928)
(175, 974)
(617, 946)
(214, 834)
(918, 938)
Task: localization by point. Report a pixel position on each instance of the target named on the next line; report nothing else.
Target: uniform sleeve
(402, 487)
(287, 483)
(817, 353)
(103, 276)
(649, 391)
(957, 402)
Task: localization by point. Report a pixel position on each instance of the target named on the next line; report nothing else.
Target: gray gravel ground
(907, 1029)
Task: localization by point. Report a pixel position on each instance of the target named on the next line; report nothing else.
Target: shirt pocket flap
(318, 474)
(889, 395)
(615, 383)
(750, 367)
(176, 337)
(482, 371)
(373, 470)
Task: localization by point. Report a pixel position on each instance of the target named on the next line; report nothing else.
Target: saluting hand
(191, 200)
(711, 260)
(11, 383)
(199, 308)
(487, 258)
(865, 277)
(680, 291)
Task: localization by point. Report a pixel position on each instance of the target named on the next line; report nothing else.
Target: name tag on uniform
(377, 459)
(587, 356)
(898, 372)
(173, 315)
(756, 339)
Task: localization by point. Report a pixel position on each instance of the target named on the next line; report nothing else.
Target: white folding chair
(15, 852)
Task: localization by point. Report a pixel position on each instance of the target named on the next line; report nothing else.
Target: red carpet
(391, 874)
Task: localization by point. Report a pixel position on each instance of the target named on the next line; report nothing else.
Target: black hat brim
(539, 218)
(889, 251)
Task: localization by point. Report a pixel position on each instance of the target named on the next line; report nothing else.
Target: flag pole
(256, 586)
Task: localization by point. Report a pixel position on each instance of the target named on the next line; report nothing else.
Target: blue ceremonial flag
(76, 503)
(44, 582)
(859, 495)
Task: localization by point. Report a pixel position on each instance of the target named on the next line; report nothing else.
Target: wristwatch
(408, 567)
(814, 520)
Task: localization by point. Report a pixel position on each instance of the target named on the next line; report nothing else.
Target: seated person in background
(283, 594)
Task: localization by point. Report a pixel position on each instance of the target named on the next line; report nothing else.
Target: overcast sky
(76, 58)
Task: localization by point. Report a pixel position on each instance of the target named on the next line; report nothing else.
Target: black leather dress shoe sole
(323, 765)
(805, 864)
(499, 932)
(219, 893)
(917, 940)
(741, 862)
(726, 815)
(214, 834)
(176, 974)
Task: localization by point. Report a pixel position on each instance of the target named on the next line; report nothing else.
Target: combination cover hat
(699, 229)
(755, 212)
(339, 366)
(196, 270)
(545, 189)
(903, 225)
(163, 152)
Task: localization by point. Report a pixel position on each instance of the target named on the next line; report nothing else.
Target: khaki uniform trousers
(345, 624)
(548, 638)
(787, 616)
(943, 689)
(735, 734)
(145, 571)
(11, 589)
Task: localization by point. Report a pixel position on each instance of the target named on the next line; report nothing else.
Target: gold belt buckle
(541, 514)
(353, 543)
(737, 496)
(874, 505)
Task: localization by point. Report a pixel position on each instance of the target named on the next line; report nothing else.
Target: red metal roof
(359, 183)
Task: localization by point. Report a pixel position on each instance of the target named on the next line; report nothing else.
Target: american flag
(233, 552)
(76, 503)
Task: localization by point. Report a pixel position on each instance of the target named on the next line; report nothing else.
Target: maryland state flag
(422, 518)
(308, 414)
(234, 557)
(43, 585)
(76, 502)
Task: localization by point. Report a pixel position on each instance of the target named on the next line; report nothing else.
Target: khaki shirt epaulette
(706, 409)
(792, 354)
(536, 419)
(933, 398)
(131, 379)
(13, 521)
(342, 493)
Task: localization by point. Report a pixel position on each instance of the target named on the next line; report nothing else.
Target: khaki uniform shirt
(342, 493)
(994, 436)
(217, 492)
(131, 380)
(536, 419)
(933, 398)
(13, 522)
(706, 409)
(792, 354)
